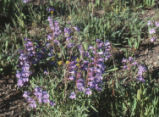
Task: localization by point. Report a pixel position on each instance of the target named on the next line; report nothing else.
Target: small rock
(155, 64)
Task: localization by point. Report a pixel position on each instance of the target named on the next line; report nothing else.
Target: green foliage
(64, 107)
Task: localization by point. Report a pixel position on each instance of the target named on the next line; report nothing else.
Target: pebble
(155, 64)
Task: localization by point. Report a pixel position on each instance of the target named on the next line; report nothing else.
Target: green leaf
(139, 92)
(86, 29)
(94, 109)
(85, 46)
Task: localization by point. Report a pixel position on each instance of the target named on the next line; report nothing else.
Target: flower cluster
(59, 37)
(40, 95)
(72, 95)
(25, 63)
(141, 69)
(30, 100)
(67, 35)
(54, 25)
(29, 47)
(26, 59)
(51, 10)
(92, 64)
(52, 40)
(128, 63)
(24, 73)
(101, 54)
(72, 68)
(152, 30)
(84, 70)
(26, 1)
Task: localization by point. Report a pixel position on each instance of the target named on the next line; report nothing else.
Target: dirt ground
(12, 103)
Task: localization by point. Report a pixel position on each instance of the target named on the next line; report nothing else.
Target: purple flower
(97, 87)
(67, 32)
(22, 57)
(149, 23)
(29, 47)
(46, 100)
(88, 91)
(37, 89)
(72, 72)
(32, 102)
(25, 68)
(157, 24)
(51, 23)
(26, 1)
(71, 78)
(153, 39)
(26, 94)
(42, 96)
(45, 94)
(40, 100)
(20, 82)
(80, 84)
(50, 9)
(56, 29)
(49, 19)
(25, 74)
(52, 103)
(70, 45)
(91, 47)
(107, 43)
(130, 59)
(18, 74)
(81, 50)
(72, 95)
(25, 80)
(141, 69)
(45, 97)
(38, 93)
(98, 41)
(56, 42)
(124, 60)
(68, 39)
(100, 53)
(152, 31)
(49, 37)
(141, 79)
(46, 72)
(91, 84)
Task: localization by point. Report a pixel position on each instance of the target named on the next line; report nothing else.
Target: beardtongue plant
(84, 68)
(27, 58)
(34, 54)
(141, 70)
(25, 63)
(39, 95)
(93, 65)
(130, 63)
